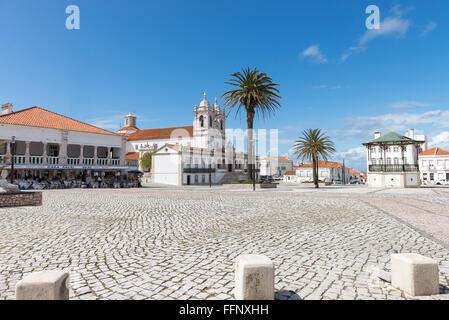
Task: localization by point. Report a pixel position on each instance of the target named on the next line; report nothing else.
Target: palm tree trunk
(315, 172)
(250, 123)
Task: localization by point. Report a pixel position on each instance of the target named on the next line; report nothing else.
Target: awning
(135, 171)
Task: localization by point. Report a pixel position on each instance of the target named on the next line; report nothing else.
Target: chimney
(6, 109)
(376, 135)
(412, 134)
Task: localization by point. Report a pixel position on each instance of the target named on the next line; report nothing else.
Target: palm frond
(314, 144)
(254, 91)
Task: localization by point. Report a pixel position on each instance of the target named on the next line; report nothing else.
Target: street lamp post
(13, 153)
(210, 175)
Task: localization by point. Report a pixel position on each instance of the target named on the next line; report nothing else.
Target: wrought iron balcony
(393, 168)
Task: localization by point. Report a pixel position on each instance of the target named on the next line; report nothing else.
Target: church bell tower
(209, 125)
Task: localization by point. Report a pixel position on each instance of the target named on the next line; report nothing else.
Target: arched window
(210, 122)
(201, 121)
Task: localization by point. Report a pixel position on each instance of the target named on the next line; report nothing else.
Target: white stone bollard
(415, 274)
(254, 278)
(44, 285)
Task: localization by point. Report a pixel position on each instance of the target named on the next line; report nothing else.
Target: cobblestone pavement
(181, 243)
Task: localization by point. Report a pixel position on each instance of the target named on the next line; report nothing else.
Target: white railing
(52, 160)
(115, 162)
(88, 161)
(73, 161)
(36, 159)
(19, 159)
(102, 162)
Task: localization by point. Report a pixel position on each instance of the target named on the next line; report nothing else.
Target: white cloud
(363, 127)
(351, 51)
(400, 11)
(434, 117)
(392, 25)
(429, 28)
(353, 154)
(111, 123)
(409, 104)
(322, 86)
(441, 140)
(314, 53)
(389, 26)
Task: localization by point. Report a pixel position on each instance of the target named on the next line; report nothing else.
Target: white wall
(166, 167)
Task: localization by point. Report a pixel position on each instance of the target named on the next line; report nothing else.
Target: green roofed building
(392, 159)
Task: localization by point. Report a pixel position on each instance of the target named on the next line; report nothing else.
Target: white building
(328, 171)
(275, 166)
(181, 165)
(185, 155)
(208, 131)
(53, 147)
(434, 166)
(392, 160)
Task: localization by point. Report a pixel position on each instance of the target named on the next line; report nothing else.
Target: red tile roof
(129, 129)
(160, 133)
(290, 173)
(275, 158)
(323, 164)
(434, 152)
(132, 155)
(38, 117)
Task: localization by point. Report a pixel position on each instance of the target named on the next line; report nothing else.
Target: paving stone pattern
(181, 243)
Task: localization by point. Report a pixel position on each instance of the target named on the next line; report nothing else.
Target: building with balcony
(50, 146)
(392, 159)
(434, 166)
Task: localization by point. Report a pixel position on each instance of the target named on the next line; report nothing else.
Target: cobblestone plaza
(181, 243)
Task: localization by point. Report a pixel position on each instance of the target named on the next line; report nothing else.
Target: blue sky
(155, 58)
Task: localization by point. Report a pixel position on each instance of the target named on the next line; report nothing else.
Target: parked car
(338, 182)
(443, 182)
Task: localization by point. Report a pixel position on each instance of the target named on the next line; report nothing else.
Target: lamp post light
(13, 153)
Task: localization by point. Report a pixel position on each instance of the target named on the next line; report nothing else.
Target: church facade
(187, 155)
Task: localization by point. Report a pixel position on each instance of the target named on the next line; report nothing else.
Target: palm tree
(313, 146)
(258, 95)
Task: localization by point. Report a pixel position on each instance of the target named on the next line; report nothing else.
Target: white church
(187, 155)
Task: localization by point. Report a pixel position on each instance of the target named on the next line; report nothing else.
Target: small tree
(313, 145)
(146, 161)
